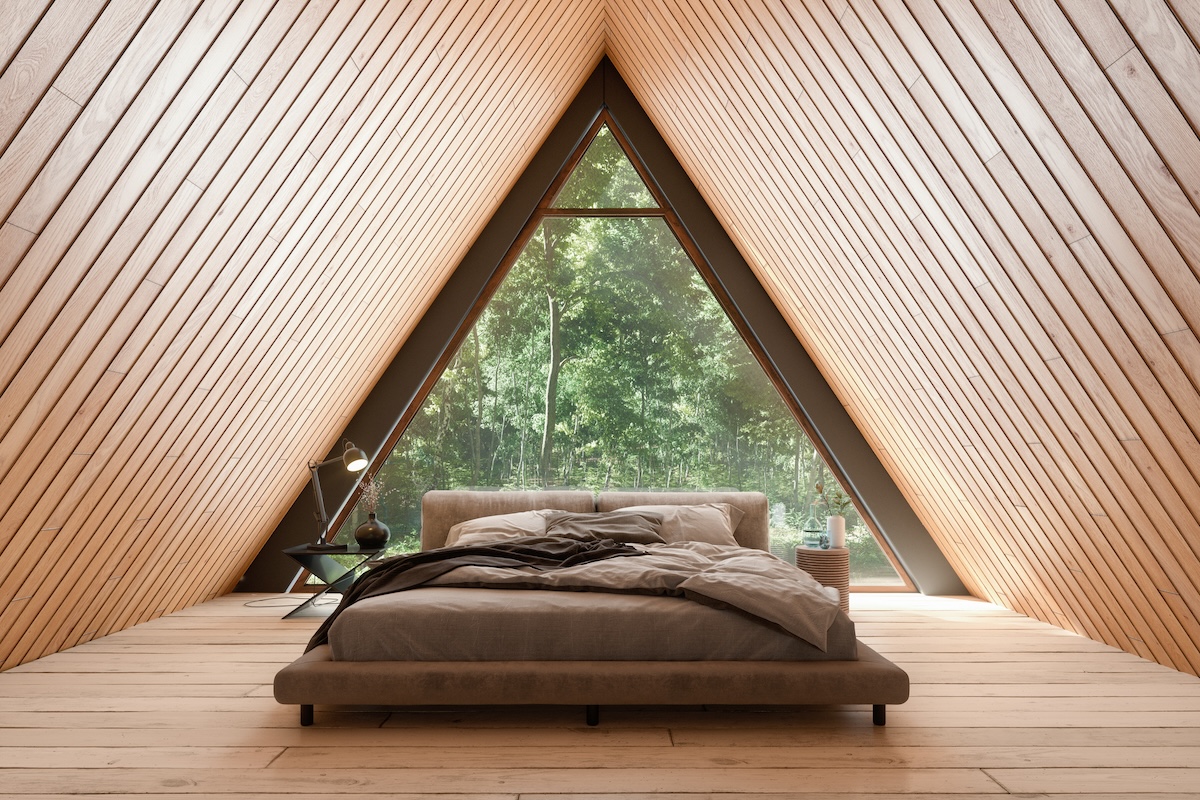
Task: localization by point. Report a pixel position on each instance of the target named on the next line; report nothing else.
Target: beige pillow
(498, 527)
(713, 523)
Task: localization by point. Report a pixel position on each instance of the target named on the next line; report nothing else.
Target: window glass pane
(604, 178)
(604, 362)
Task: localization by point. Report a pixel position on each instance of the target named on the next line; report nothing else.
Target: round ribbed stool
(830, 567)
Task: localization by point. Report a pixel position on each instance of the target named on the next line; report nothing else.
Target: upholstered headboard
(440, 510)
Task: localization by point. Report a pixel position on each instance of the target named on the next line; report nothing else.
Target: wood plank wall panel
(981, 219)
(205, 195)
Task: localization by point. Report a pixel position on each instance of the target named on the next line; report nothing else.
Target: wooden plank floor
(1001, 705)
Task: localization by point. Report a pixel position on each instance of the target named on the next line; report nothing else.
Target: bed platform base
(592, 715)
(316, 679)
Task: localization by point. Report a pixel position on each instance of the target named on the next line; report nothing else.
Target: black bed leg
(879, 714)
(306, 715)
(593, 715)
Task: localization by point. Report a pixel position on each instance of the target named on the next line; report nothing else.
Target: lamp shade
(354, 458)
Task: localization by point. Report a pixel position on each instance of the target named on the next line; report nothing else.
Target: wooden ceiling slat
(239, 545)
(936, 76)
(1101, 352)
(118, 409)
(894, 420)
(107, 39)
(21, 16)
(1132, 240)
(581, 69)
(119, 311)
(262, 68)
(916, 218)
(353, 373)
(865, 24)
(32, 146)
(1188, 16)
(1098, 27)
(42, 54)
(1143, 166)
(68, 272)
(1156, 29)
(1160, 119)
(42, 341)
(977, 183)
(653, 48)
(14, 244)
(214, 271)
(689, 106)
(104, 136)
(10, 440)
(1068, 71)
(352, 292)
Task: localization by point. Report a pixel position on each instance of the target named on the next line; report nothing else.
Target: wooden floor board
(1001, 705)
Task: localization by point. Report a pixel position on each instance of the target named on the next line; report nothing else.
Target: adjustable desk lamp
(355, 460)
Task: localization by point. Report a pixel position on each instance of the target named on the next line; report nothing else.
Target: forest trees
(603, 361)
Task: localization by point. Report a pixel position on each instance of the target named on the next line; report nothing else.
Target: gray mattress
(460, 624)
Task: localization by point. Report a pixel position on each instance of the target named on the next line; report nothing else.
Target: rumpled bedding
(751, 581)
(416, 569)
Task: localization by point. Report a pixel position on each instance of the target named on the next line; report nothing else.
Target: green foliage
(605, 178)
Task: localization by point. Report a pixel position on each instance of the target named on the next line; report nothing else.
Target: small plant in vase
(372, 534)
(836, 503)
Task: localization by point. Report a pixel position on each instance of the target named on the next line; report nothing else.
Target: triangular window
(604, 178)
(604, 361)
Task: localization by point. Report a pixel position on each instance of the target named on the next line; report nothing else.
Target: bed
(449, 643)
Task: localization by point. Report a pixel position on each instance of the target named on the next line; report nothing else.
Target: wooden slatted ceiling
(981, 218)
(188, 249)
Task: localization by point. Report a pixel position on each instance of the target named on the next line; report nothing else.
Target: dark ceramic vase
(372, 533)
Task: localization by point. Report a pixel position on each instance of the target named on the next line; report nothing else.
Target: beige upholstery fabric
(316, 679)
(440, 510)
(753, 531)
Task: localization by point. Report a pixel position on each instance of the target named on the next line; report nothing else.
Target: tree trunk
(551, 404)
(555, 359)
(477, 443)
(796, 472)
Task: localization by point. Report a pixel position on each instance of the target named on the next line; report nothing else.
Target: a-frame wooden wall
(980, 217)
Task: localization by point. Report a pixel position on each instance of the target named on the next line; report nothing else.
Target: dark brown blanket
(409, 571)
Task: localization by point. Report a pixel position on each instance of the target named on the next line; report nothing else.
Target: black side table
(335, 576)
